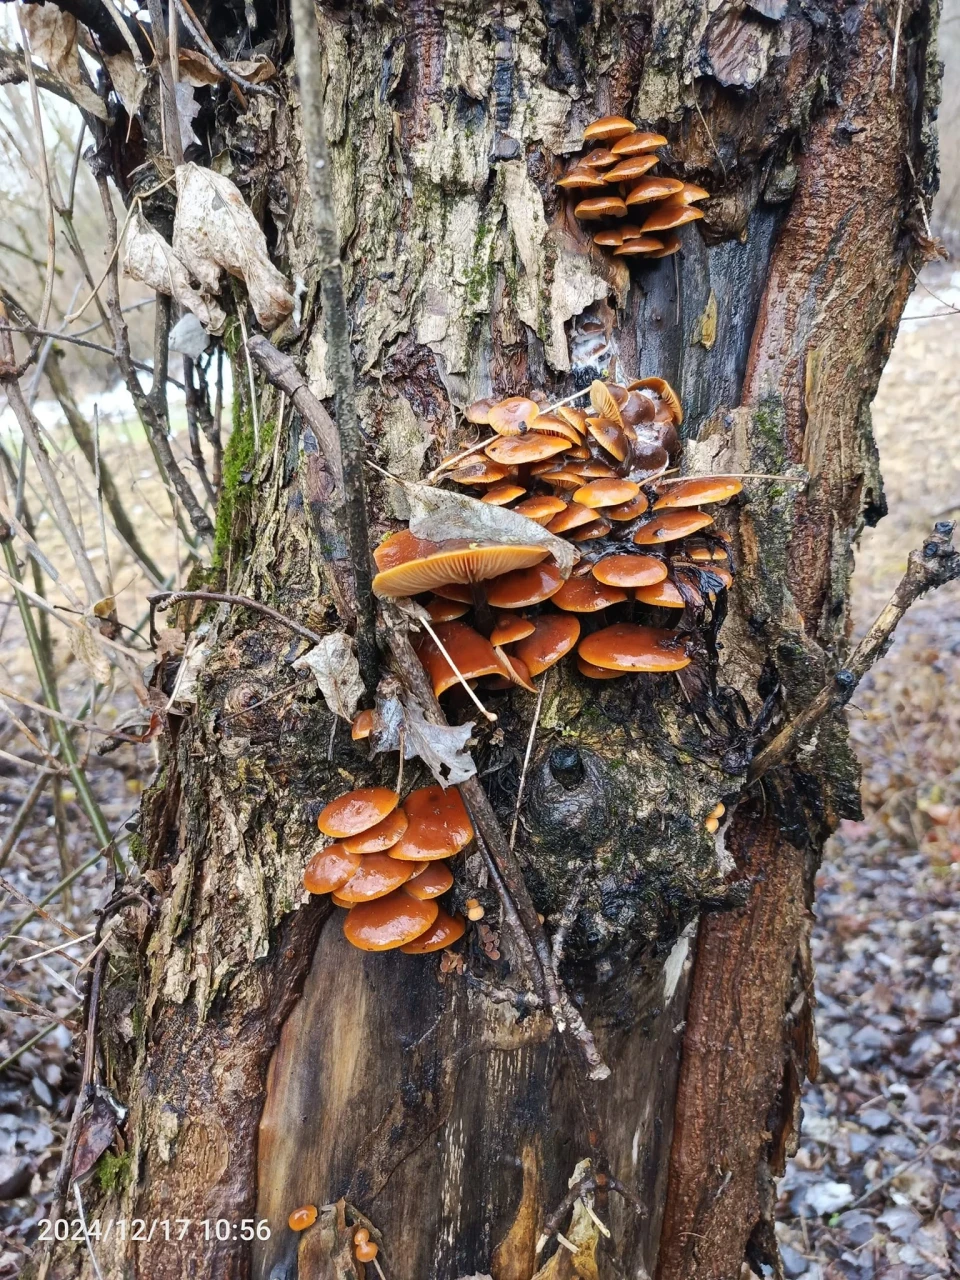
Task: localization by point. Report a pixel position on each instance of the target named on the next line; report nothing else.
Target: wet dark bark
(266, 1063)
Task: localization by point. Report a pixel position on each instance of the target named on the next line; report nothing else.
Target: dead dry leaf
(215, 230)
(148, 258)
(53, 39)
(442, 748)
(257, 70)
(86, 648)
(334, 665)
(129, 82)
(188, 108)
(197, 69)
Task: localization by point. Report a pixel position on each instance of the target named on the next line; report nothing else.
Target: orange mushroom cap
(501, 494)
(444, 931)
(525, 587)
(365, 1251)
(441, 610)
(519, 671)
(610, 437)
(531, 447)
(628, 647)
(549, 425)
(510, 417)
(666, 594)
(671, 525)
(555, 635)
(600, 207)
(363, 725)
(480, 471)
(628, 510)
(670, 215)
(586, 595)
(606, 493)
(471, 652)
(596, 673)
(648, 189)
(574, 515)
(604, 402)
(632, 167)
(329, 868)
(382, 836)
(608, 128)
(436, 878)
(599, 158)
(611, 238)
(377, 875)
(479, 411)
(389, 922)
(563, 478)
(593, 469)
(439, 825)
(303, 1217)
(671, 245)
(663, 390)
(690, 493)
(639, 246)
(356, 811)
(510, 627)
(690, 192)
(409, 565)
(576, 417)
(581, 178)
(634, 143)
(598, 528)
(542, 507)
(629, 570)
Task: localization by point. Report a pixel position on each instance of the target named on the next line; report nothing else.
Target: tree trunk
(265, 1062)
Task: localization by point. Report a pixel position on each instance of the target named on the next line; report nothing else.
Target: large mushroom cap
(671, 525)
(357, 811)
(502, 494)
(377, 875)
(329, 868)
(608, 128)
(632, 167)
(628, 647)
(670, 215)
(598, 158)
(389, 922)
(632, 144)
(606, 493)
(648, 189)
(601, 207)
(444, 931)
(629, 570)
(382, 836)
(555, 635)
(509, 417)
(690, 493)
(525, 587)
(436, 878)
(541, 507)
(581, 178)
(530, 447)
(439, 825)
(472, 654)
(586, 595)
(409, 565)
(666, 595)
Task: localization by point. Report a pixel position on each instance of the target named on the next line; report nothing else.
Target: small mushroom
(690, 193)
(629, 570)
(389, 922)
(510, 417)
(664, 392)
(519, 672)
(480, 471)
(550, 425)
(604, 402)
(611, 238)
(606, 493)
(628, 510)
(586, 595)
(576, 417)
(471, 652)
(531, 447)
(362, 727)
(599, 158)
(596, 529)
(648, 189)
(596, 207)
(444, 931)
(379, 838)
(609, 128)
(329, 868)
(698, 489)
(474, 909)
(671, 245)
(581, 178)
(542, 507)
(525, 587)
(632, 167)
(670, 215)
(632, 144)
(639, 246)
(302, 1218)
(671, 525)
(377, 875)
(574, 516)
(439, 825)
(712, 825)
(628, 647)
(435, 879)
(409, 565)
(479, 411)
(356, 811)
(510, 627)
(441, 610)
(593, 469)
(597, 673)
(665, 594)
(554, 636)
(610, 437)
(501, 494)
(563, 478)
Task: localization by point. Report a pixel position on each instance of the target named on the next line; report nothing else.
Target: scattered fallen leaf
(129, 82)
(53, 38)
(148, 258)
(337, 672)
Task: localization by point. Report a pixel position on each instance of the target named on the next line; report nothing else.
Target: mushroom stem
(483, 618)
(456, 670)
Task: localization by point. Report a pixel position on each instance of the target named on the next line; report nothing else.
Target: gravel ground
(874, 1190)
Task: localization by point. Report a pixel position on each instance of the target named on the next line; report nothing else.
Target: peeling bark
(266, 1064)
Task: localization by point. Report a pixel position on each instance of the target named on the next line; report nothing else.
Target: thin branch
(13, 70)
(166, 599)
(526, 757)
(81, 342)
(932, 565)
(336, 326)
(189, 20)
(33, 1010)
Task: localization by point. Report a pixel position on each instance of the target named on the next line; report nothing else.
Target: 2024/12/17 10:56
(167, 1230)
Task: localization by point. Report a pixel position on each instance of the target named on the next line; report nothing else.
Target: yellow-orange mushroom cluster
(595, 477)
(613, 185)
(387, 865)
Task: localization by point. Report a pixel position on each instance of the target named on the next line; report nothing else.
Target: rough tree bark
(267, 1064)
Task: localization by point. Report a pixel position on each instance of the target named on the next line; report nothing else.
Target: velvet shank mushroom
(389, 922)
(471, 653)
(356, 811)
(377, 875)
(444, 931)
(329, 868)
(628, 647)
(409, 565)
(435, 879)
(382, 836)
(690, 493)
(554, 636)
(439, 825)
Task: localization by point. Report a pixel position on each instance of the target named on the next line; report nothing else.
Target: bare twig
(166, 599)
(526, 757)
(169, 115)
(29, 1044)
(33, 1010)
(9, 887)
(932, 565)
(336, 326)
(22, 816)
(189, 19)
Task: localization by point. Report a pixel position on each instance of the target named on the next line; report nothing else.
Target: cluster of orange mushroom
(387, 866)
(364, 1249)
(595, 477)
(614, 181)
